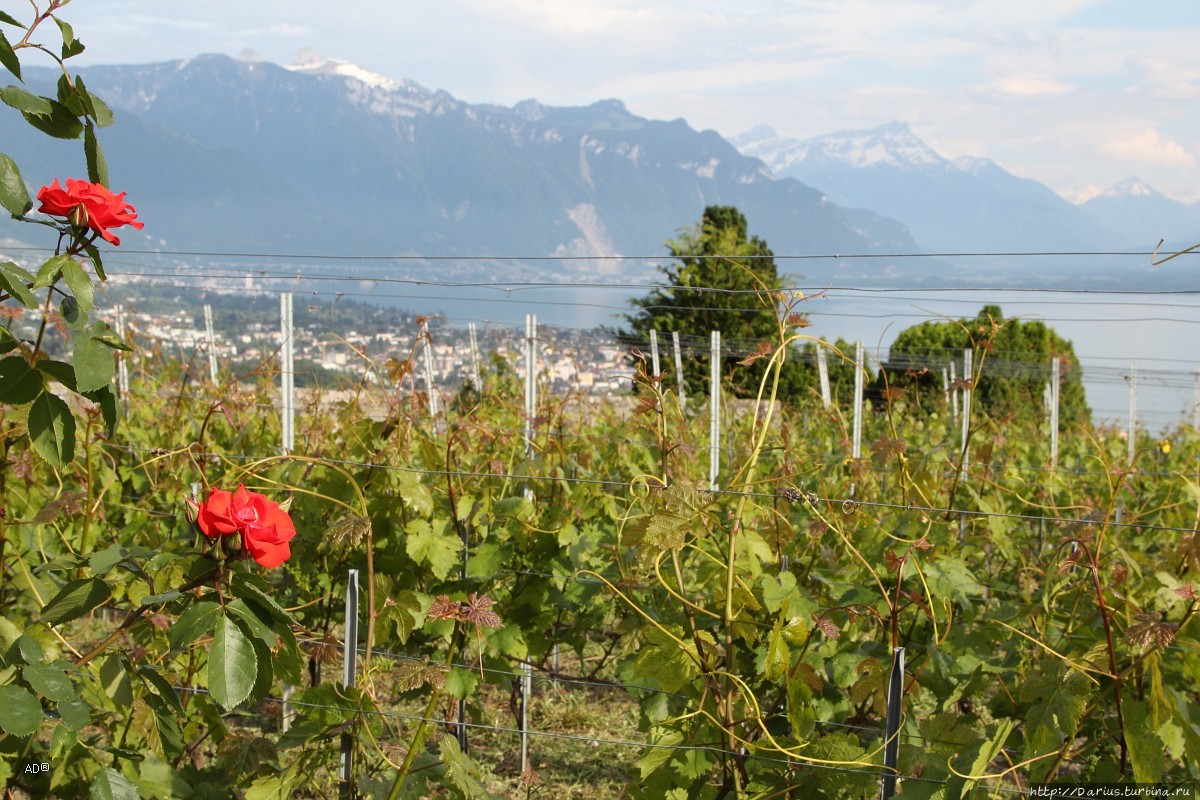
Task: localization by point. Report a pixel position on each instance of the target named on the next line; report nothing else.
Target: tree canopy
(722, 279)
(1016, 356)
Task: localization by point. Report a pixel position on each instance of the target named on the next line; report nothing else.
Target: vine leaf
(1059, 697)
(438, 550)
(461, 770)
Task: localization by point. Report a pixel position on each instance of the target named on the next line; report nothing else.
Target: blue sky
(1079, 94)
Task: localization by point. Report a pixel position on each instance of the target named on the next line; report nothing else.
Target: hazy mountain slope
(221, 154)
(964, 205)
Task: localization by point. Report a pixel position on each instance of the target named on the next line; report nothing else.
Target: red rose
(265, 528)
(88, 205)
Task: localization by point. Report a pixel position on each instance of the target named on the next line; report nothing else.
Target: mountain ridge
(348, 162)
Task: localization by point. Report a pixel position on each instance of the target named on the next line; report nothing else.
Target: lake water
(1111, 331)
(1117, 315)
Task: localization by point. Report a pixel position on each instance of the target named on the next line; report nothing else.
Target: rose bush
(264, 525)
(88, 205)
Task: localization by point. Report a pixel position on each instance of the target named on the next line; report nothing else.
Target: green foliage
(1012, 361)
(751, 627)
(746, 307)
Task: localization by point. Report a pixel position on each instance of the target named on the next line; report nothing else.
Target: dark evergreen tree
(723, 280)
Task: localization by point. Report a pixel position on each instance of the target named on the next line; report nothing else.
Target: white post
(1132, 411)
(946, 384)
(968, 377)
(349, 669)
(427, 358)
(530, 413)
(714, 417)
(212, 343)
(287, 374)
(953, 393)
(679, 371)
(654, 353)
(476, 375)
(856, 451)
(1196, 400)
(823, 376)
(122, 365)
(1055, 390)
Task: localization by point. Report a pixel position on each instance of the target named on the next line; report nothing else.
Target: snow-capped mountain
(1143, 216)
(960, 205)
(325, 156)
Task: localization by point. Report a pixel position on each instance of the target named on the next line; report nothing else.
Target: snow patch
(1130, 187)
(312, 64)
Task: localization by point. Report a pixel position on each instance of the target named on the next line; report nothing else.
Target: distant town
(344, 342)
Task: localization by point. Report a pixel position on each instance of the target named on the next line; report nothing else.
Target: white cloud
(1150, 146)
(1028, 86)
(1164, 78)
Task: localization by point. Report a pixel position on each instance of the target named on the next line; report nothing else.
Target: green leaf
(97, 165)
(60, 371)
(461, 770)
(1146, 754)
(50, 271)
(79, 283)
(74, 600)
(94, 364)
(71, 313)
(8, 342)
(106, 398)
(8, 56)
(115, 679)
(800, 712)
(257, 620)
(70, 46)
(25, 101)
(6, 19)
(75, 713)
(29, 650)
(161, 687)
(112, 785)
(20, 711)
(58, 122)
(232, 666)
(779, 657)
(264, 676)
(244, 586)
(402, 611)
(192, 624)
(13, 194)
(13, 281)
(170, 732)
(102, 332)
(289, 662)
(96, 108)
(984, 756)
(1059, 696)
(52, 429)
(19, 382)
(655, 757)
(438, 550)
(49, 681)
(104, 560)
